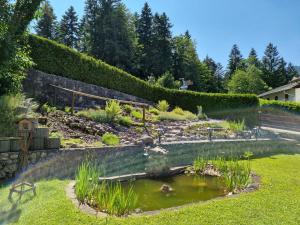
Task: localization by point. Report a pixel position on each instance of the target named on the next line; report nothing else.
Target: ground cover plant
(110, 139)
(276, 202)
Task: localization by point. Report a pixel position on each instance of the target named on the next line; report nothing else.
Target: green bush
(178, 111)
(61, 60)
(289, 106)
(125, 121)
(200, 114)
(154, 111)
(163, 106)
(46, 108)
(172, 116)
(110, 139)
(127, 108)
(113, 110)
(137, 114)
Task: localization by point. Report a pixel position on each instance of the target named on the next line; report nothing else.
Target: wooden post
(144, 114)
(73, 103)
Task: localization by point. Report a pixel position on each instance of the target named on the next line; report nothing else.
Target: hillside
(54, 58)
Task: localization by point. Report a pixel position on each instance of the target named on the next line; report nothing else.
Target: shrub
(125, 121)
(289, 106)
(113, 109)
(46, 108)
(200, 114)
(237, 126)
(176, 117)
(110, 139)
(97, 115)
(61, 60)
(154, 111)
(137, 114)
(178, 111)
(163, 106)
(127, 108)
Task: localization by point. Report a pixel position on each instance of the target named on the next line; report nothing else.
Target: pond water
(186, 189)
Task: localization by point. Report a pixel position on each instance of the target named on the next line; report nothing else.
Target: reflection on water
(186, 189)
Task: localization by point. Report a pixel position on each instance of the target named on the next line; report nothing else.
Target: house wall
(281, 95)
(297, 90)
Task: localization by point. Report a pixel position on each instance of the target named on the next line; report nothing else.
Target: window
(276, 98)
(286, 97)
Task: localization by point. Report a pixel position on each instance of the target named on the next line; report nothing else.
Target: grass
(173, 116)
(137, 114)
(277, 202)
(97, 115)
(110, 139)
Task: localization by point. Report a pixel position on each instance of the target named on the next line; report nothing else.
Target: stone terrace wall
(114, 161)
(37, 85)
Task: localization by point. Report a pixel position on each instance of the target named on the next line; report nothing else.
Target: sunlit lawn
(277, 202)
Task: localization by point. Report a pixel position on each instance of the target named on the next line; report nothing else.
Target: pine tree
(69, 28)
(281, 73)
(235, 61)
(162, 46)
(218, 74)
(47, 24)
(270, 66)
(145, 34)
(291, 72)
(253, 59)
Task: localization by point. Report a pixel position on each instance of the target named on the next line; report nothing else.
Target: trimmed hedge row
(54, 58)
(293, 107)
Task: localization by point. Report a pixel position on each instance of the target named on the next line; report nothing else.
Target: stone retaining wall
(37, 85)
(113, 161)
(9, 161)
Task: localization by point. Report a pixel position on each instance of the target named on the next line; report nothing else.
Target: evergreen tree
(271, 64)
(145, 34)
(69, 28)
(218, 74)
(162, 46)
(253, 59)
(281, 73)
(291, 72)
(187, 65)
(47, 24)
(235, 61)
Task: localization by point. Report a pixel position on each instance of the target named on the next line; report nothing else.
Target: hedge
(293, 107)
(54, 58)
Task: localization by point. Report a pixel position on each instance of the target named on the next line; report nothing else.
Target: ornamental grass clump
(110, 139)
(113, 110)
(163, 106)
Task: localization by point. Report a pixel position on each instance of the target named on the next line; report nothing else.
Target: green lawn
(277, 202)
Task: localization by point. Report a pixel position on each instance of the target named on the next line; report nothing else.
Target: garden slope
(54, 58)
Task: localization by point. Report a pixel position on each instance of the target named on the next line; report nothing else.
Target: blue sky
(218, 24)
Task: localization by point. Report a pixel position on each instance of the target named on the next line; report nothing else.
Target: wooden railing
(78, 93)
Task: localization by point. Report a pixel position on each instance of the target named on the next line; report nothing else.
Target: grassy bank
(277, 202)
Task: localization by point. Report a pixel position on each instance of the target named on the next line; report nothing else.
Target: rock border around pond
(85, 208)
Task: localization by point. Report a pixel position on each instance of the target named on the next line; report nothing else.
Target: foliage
(167, 80)
(115, 200)
(235, 61)
(200, 164)
(113, 110)
(60, 60)
(97, 115)
(237, 126)
(200, 114)
(154, 111)
(163, 106)
(137, 114)
(86, 176)
(125, 121)
(69, 29)
(110, 139)
(176, 117)
(248, 81)
(47, 25)
(127, 108)
(46, 108)
(178, 111)
(289, 106)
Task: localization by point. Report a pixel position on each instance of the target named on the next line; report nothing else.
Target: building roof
(293, 84)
